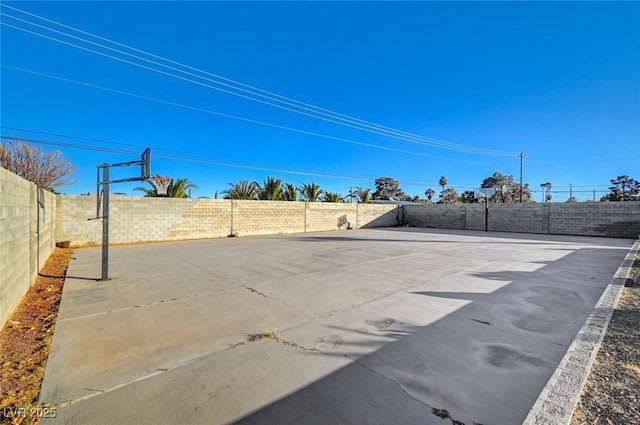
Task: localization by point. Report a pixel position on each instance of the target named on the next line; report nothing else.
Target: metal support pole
(98, 193)
(486, 214)
(105, 224)
(521, 155)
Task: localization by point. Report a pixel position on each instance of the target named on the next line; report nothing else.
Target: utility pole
(570, 192)
(521, 156)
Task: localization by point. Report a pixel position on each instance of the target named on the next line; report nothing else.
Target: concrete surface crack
(275, 336)
(388, 379)
(255, 291)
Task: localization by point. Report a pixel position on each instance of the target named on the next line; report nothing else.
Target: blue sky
(557, 81)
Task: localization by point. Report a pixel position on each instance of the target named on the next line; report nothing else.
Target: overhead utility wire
(186, 79)
(204, 161)
(270, 95)
(377, 129)
(180, 105)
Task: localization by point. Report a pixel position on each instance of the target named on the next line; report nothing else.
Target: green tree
(290, 192)
(363, 194)
(623, 188)
(469, 197)
(311, 192)
(242, 190)
(443, 182)
(449, 196)
(430, 193)
(178, 188)
(388, 188)
(506, 188)
(332, 197)
(272, 190)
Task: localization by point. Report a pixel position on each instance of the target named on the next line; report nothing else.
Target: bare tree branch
(48, 170)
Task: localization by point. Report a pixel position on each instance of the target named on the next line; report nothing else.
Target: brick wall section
(267, 217)
(438, 216)
(205, 219)
(615, 219)
(377, 215)
(134, 219)
(329, 216)
(22, 249)
(474, 217)
(609, 219)
(45, 237)
(522, 218)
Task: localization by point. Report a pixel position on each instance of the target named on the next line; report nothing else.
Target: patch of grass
(441, 413)
(273, 335)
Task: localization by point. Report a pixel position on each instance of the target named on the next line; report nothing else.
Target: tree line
(50, 170)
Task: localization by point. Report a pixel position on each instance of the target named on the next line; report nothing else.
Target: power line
(344, 120)
(407, 182)
(235, 117)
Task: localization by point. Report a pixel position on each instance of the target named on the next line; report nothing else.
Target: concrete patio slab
(367, 326)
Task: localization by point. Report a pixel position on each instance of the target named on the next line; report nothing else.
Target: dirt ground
(25, 342)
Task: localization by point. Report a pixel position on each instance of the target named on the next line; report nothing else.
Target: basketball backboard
(145, 164)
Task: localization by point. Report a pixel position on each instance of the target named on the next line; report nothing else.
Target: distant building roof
(392, 202)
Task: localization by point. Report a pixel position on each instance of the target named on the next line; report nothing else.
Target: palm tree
(449, 196)
(429, 193)
(363, 194)
(546, 192)
(290, 192)
(332, 197)
(178, 188)
(272, 189)
(242, 190)
(311, 192)
(443, 182)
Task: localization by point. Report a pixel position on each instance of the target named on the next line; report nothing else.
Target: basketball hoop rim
(160, 184)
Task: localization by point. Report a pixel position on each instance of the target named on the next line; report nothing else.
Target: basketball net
(161, 184)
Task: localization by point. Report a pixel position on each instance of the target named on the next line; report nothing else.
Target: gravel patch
(611, 394)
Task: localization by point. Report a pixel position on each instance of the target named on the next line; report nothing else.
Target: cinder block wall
(27, 220)
(378, 215)
(142, 219)
(523, 218)
(615, 219)
(267, 217)
(610, 219)
(134, 219)
(329, 216)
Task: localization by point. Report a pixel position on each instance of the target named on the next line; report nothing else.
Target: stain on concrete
(382, 323)
(552, 298)
(329, 341)
(506, 357)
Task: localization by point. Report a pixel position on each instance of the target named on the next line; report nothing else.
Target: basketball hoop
(161, 184)
(484, 193)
